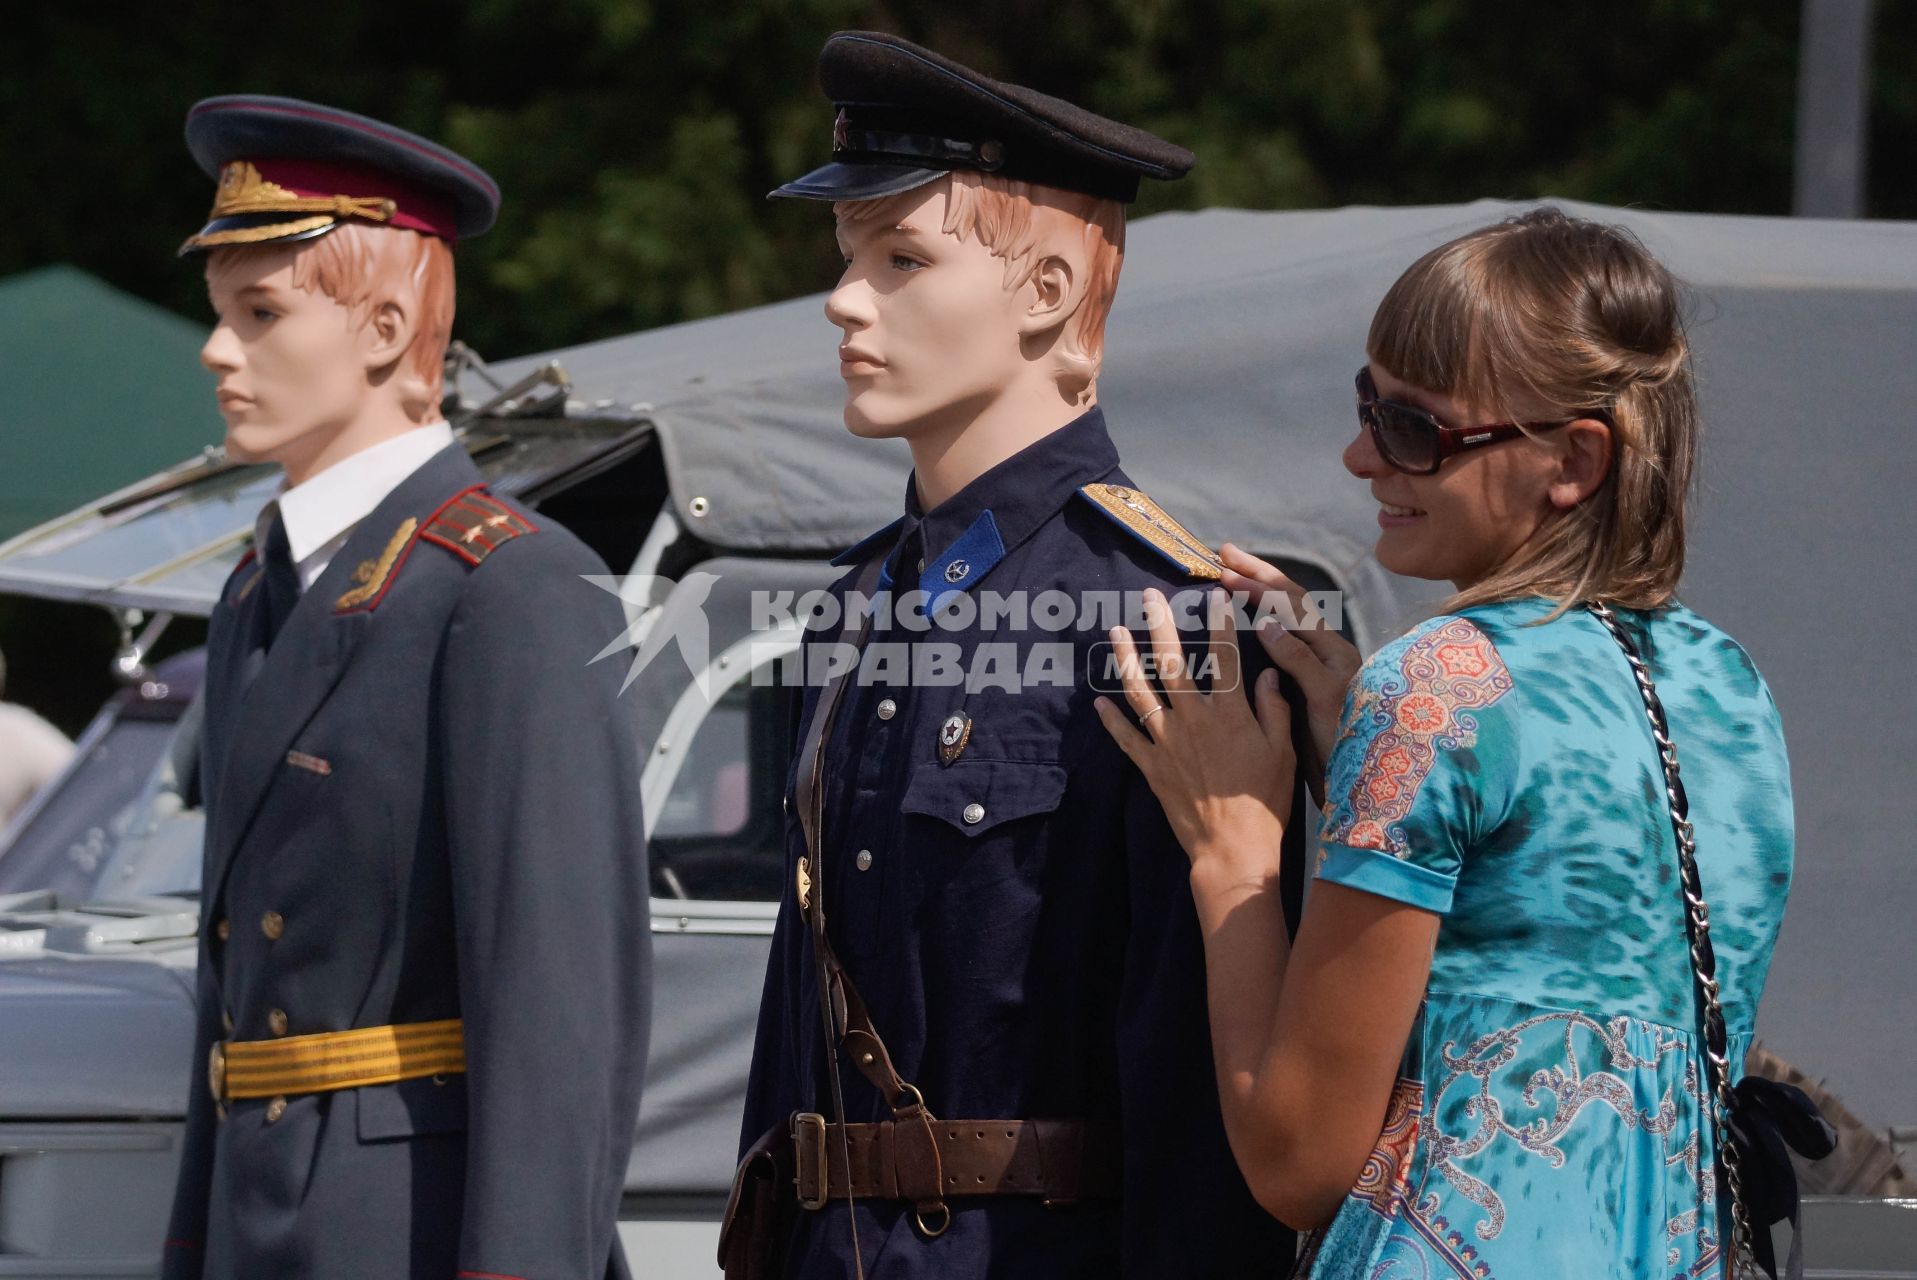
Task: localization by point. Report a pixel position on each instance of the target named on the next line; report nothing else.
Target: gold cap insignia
(243, 190)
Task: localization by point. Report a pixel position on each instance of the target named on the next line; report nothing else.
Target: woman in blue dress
(1480, 1056)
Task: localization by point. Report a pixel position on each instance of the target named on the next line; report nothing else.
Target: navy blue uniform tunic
(422, 804)
(1019, 920)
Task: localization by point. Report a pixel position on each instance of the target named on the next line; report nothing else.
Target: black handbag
(1757, 1122)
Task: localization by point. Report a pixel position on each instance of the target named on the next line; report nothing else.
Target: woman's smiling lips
(1390, 517)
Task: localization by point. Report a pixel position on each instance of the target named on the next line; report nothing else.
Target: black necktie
(280, 586)
(904, 563)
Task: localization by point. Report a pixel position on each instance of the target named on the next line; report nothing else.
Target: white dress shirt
(321, 511)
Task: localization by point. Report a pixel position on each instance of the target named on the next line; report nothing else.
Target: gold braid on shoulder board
(1147, 521)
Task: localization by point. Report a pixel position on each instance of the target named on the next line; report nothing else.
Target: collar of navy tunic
(967, 535)
(323, 509)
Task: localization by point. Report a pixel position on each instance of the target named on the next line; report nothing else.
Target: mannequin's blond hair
(1018, 222)
(358, 265)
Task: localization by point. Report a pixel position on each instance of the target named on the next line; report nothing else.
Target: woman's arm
(1307, 1038)
(1307, 1108)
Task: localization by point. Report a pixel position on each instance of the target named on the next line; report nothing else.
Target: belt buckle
(216, 1071)
(808, 1142)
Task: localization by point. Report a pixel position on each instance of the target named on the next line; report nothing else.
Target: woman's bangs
(1436, 326)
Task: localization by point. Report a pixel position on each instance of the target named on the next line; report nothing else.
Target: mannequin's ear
(389, 331)
(385, 340)
(1584, 460)
(1054, 293)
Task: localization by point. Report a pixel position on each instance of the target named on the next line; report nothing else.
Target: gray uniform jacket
(422, 804)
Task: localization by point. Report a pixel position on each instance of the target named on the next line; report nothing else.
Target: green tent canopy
(97, 389)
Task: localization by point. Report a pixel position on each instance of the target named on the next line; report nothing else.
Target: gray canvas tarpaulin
(1230, 358)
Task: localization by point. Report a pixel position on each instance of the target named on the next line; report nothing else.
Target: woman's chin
(1408, 558)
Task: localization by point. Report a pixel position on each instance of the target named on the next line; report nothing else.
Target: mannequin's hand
(1224, 774)
(1318, 658)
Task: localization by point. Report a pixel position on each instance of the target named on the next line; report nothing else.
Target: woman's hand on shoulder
(1317, 657)
(1223, 774)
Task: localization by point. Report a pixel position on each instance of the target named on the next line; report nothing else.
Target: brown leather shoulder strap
(846, 1021)
(842, 1012)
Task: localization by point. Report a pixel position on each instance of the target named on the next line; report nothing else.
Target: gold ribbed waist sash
(333, 1060)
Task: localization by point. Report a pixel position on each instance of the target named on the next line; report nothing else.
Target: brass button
(275, 1109)
(276, 1022)
(974, 814)
(888, 709)
(921, 564)
(223, 930)
(865, 859)
(273, 924)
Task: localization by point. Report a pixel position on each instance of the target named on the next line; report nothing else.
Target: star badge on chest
(953, 735)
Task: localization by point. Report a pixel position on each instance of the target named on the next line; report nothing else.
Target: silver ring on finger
(1149, 714)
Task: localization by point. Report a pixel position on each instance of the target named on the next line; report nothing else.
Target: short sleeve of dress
(1424, 764)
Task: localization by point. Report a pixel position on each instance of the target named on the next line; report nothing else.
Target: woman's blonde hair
(1016, 221)
(1546, 317)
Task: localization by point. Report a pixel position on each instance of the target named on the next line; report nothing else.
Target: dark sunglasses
(1415, 442)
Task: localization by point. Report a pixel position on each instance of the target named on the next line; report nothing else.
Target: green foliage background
(635, 139)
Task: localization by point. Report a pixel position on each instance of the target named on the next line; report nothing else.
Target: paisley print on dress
(1549, 1118)
(1565, 1081)
(1421, 708)
(1385, 1180)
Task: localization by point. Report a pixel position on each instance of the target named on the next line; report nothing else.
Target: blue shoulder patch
(964, 562)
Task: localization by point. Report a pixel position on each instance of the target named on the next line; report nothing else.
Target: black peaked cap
(908, 115)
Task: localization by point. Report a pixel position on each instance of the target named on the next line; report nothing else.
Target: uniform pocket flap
(976, 795)
(411, 1108)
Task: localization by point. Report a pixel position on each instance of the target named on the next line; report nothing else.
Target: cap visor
(841, 181)
(253, 228)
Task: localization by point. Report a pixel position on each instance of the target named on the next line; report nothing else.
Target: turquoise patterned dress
(1548, 1119)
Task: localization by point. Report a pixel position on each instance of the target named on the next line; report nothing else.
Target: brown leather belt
(1060, 1161)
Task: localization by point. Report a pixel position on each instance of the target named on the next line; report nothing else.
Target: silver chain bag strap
(1771, 1114)
(1697, 921)
(1756, 1123)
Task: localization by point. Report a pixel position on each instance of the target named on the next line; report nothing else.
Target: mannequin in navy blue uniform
(997, 881)
(423, 979)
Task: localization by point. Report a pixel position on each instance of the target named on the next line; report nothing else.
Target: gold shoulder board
(1148, 522)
